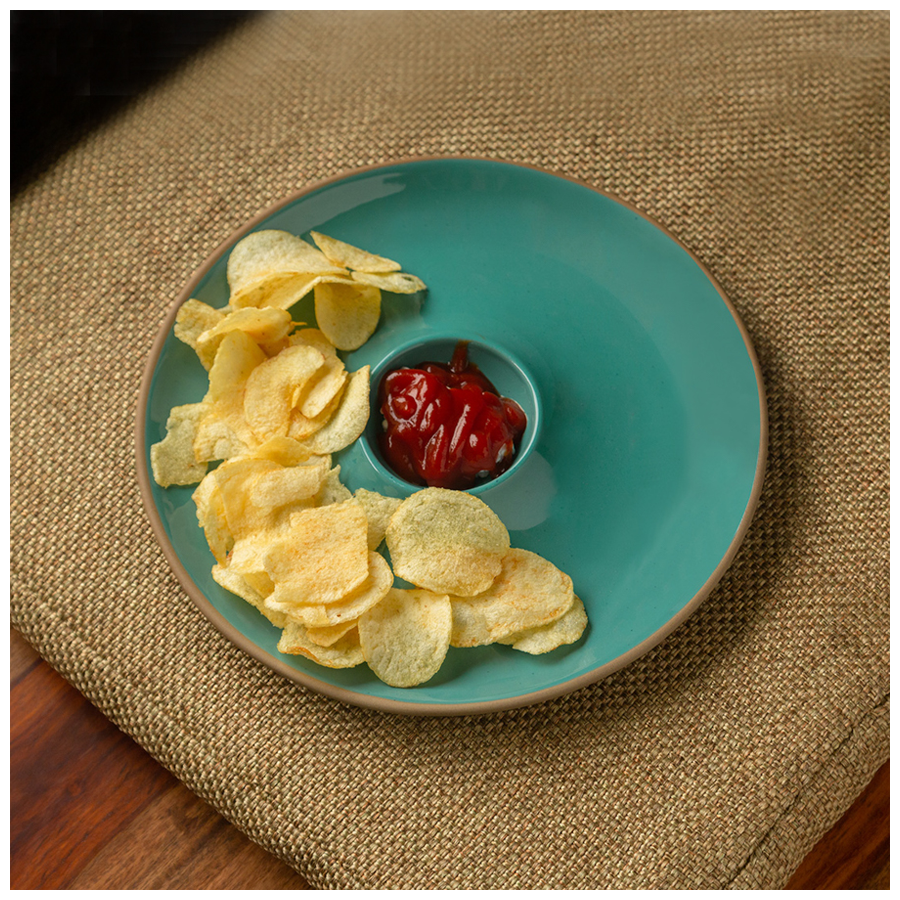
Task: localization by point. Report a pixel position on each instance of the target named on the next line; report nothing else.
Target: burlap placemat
(760, 140)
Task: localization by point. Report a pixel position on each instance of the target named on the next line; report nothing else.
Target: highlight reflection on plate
(648, 452)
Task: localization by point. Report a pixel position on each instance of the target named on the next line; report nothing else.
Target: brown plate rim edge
(384, 704)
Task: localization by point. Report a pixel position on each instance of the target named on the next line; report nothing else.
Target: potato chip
(447, 541)
(347, 609)
(324, 389)
(275, 268)
(395, 282)
(211, 516)
(349, 419)
(529, 592)
(259, 494)
(333, 490)
(405, 637)
(248, 554)
(172, 459)
(222, 431)
(347, 314)
(567, 629)
(265, 326)
(342, 654)
(283, 450)
(351, 257)
(379, 510)
(193, 319)
(302, 427)
(329, 634)
(321, 556)
(273, 387)
(237, 584)
(315, 338)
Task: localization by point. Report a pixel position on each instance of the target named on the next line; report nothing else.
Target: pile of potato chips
(292, 540)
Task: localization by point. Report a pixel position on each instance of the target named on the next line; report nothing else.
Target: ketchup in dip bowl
(446, 425)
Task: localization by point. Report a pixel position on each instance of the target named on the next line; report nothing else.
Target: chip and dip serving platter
(645, 452)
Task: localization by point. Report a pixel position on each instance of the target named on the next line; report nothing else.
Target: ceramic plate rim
(384, 704)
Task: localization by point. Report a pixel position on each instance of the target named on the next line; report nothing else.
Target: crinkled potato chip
(351, 257)
(211, 516)
(349, 419)
(395, 282)
(283, 450)
(275, 268)
(447, 541)
(347, 609)
(315, 338)
(223, 431)
(323, 391)
(342, 654)
(273, 387)
(405, 637)
(379, 510)
(329, 634)
(237, 584)
(321, 556)
(528, 592)
(172, 459)
(302, 427)
(259, 495)
(333, 490)
(193, 319)
(248, 555)
(347, 314)
(567, 629)
(265, 326)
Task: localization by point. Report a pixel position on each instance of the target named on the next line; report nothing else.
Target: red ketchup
(446, 425)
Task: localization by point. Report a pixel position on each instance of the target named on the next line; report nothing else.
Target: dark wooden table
(91, 810)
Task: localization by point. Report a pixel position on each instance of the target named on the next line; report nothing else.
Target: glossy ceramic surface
(646, 454)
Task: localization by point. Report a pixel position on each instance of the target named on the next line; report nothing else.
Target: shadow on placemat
(71, 70)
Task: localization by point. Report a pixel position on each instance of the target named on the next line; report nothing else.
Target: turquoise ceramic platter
(645, 452)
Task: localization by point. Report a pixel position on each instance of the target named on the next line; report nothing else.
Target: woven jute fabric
(761, 141)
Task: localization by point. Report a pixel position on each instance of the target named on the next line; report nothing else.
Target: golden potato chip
(333, 490)
(193, 319)
(259, 494)
(567, 629)
(324, 389)
(396, 282)
(222, 431)
(275, 268)
(321, 556)
(347, 314)
(528, 592)
(211, 516)
(379, 510)
(260, 582)
(329, 634)
(172, 459)
(447, 541)
(283, 450)
(347, 609)
(406, 636)
(349, 419)
(342, 654)
(315, 338)
(239, 585)
(247, 555)
(273, 387)
(265, 326)
(351, 257)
